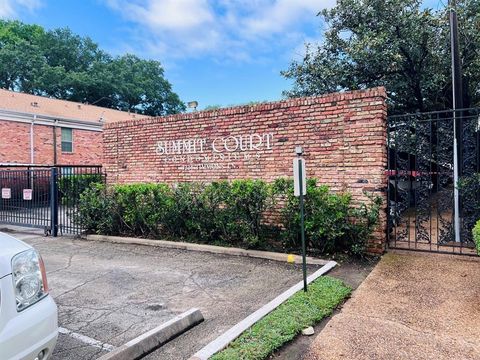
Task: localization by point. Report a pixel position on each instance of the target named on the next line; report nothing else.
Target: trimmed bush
(476, 236)
(71, 186)
(141, 208)
(232, 214)
(332, 222)
(247, 202)
(96, 211)
(218, 213)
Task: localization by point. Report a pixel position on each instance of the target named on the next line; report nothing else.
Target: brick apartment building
(43, 131)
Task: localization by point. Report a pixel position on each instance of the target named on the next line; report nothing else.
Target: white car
(28, 314)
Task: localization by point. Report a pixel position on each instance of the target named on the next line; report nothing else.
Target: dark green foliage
(96, 211)
(20, 59)
(63, 65)
(141, 208)
(476, 236)
(221, 212)
(230, 213)
(332, 222)
(469, 189)
(247, 202)
(287, 321)
(399, 44)
(363, 219)
(70, 187)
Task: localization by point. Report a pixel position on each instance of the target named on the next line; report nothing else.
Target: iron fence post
(54, 202)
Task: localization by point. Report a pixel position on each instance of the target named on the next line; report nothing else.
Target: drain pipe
(55, 142)
(32, 145)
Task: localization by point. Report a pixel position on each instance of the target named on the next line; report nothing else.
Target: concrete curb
(147, 342)
(226, 338)
(268, 255)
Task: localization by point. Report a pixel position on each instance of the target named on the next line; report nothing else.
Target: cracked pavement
(114, 292)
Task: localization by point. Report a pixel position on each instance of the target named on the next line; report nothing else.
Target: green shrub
(332, 222)
(246, 203)
(133, 210)
(142, 208)
(96, 211)
(230, 213)
(71, 186)
(363, 219)
(476, 236)
(182, 219)
(221, 212)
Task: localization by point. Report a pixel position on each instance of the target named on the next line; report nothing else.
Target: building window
(67, 140)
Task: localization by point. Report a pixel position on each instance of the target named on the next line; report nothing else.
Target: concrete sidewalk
(411, 306)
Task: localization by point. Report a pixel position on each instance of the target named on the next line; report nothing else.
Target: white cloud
(6, 9)
(281, 15)
(171, 26)
(226, 29)
(10, 8)
(170, 15)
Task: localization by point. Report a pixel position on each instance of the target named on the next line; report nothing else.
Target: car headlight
(29, 278)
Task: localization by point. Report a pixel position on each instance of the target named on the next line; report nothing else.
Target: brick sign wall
(343, 135)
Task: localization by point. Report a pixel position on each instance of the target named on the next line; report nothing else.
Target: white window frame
(61, 140)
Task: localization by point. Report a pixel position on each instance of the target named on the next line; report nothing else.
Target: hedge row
(71, 186)
(236, 213)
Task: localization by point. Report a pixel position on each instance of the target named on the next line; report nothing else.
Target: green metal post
(302, 225)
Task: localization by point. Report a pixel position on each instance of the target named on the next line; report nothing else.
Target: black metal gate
(45, 197)
(421, 180)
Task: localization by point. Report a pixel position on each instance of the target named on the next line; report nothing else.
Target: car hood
(9, 247)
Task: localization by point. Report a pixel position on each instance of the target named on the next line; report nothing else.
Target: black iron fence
(421, 182)
(45, 197)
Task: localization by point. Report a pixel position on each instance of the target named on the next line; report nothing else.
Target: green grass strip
(287, 321)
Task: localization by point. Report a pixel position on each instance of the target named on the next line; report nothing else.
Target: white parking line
(87, 340)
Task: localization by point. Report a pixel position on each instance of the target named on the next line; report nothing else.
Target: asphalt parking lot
(108, 294)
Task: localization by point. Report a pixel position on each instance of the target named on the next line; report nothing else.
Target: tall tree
(20, 55)
(63, 65)
(141, 86)
(393, 43)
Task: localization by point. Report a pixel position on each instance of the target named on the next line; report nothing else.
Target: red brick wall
(43, 144)
(15, 145)
(87, 148)
(14, 142)
(343, 135)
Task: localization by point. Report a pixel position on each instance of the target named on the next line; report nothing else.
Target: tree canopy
(63, 65)
(398, 44)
